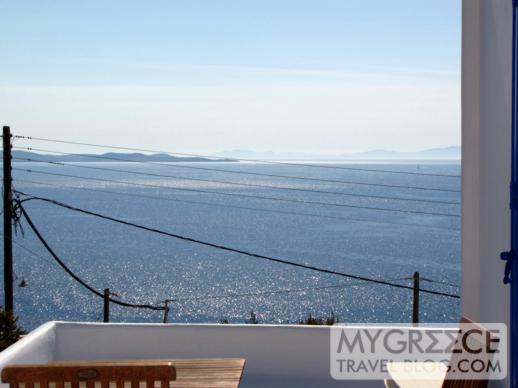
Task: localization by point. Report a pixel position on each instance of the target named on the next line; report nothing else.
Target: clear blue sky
(325, 76)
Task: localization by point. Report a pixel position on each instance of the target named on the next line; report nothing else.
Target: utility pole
(8, 230)
(166, 310)
(415, 307)
(106, 305)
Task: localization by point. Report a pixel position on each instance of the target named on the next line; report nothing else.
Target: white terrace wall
(276, 356)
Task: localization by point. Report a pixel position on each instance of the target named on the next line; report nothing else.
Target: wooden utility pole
(8, 230)
(415, 309)
(106, 305)
(166, 310)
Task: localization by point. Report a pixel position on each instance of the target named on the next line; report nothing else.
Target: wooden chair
(446, 379)
(96, 375)
(463, 355)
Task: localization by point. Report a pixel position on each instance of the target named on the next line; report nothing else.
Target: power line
(275, 211)
(239, 295)
(211, 297)
(439, 282)
(37, 255)
(241, 195)
(273, 292)
(96, 190)
(31, 252)
(238, 183)
(428, 280)
(240, 159)
(222, 247)
(225, 296)
(270, 175)
(73, 275)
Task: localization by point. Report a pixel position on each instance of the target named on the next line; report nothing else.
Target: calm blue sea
(148, 268)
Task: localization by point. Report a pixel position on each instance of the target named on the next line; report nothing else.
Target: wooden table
(190, 373)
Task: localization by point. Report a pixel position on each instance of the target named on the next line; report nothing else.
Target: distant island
(111, 157)
(446, 153)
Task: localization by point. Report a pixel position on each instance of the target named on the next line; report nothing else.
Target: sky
(203, 76)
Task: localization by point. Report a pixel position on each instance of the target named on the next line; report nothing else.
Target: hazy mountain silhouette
(133, 157)
(447, 153)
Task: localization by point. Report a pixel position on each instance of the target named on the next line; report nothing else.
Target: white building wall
(486, 137)
(286, 356)
(486, 152)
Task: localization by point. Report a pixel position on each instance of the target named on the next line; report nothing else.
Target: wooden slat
(83, 372)
(188, 373)
(205, 384)
(191, 363)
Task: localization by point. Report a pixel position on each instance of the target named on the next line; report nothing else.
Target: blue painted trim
(511, 257)
(513, 263)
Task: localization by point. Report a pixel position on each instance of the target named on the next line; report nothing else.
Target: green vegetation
(311, 320)
(253, 319)
(320, 321)
(10, 332)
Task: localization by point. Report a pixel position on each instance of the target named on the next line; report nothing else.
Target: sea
(345, 218)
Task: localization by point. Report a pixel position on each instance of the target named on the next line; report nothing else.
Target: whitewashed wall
(276, 355)
(486, 142)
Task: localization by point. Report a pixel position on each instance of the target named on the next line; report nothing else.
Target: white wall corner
(486, 157)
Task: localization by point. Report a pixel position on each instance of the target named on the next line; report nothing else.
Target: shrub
(253, 319)
(10, 332)
(319, 321)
